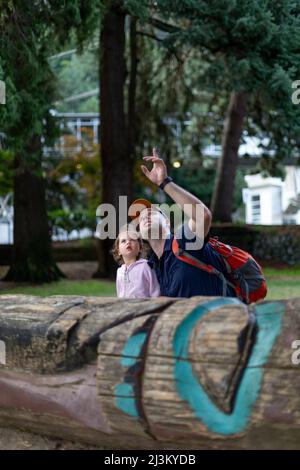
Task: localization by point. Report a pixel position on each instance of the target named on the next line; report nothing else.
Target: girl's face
(129, 246)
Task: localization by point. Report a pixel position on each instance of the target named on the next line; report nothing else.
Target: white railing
(6, 219)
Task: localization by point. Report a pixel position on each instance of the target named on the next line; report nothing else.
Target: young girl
(135, 278)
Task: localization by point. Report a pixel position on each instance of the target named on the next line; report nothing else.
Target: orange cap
(137, 206)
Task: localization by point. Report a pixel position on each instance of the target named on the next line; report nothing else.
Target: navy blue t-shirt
(179, 279)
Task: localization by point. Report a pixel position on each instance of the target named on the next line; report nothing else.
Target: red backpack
(243, 273)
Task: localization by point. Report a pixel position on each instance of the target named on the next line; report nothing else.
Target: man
(178, 278)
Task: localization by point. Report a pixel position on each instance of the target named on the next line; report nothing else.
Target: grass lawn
(282, 284)
(65, 287)
(283, 289)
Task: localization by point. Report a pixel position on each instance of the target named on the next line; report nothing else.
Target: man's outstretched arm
(197, 212)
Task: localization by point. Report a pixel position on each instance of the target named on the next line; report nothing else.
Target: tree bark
(158, 373)
(116, 162)
(222, 199)
(32, 259)
(131, 114)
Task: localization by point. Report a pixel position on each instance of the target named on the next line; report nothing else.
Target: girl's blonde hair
(115, 249)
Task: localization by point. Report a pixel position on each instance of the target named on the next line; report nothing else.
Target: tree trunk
(158, 373)
(116, 162)
(222, 199)
(32, 259)
(131, 114)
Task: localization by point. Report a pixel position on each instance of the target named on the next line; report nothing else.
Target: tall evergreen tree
(116, 160)
(253, 46)
(30, 31)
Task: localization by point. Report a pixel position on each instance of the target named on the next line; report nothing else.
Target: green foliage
(76, 74)
(6, 172)
(71, 220)
(140, 9)
(73, 187)
(200, 181)
(168, 88)
(210, 49)
(30, 33)
(251, 46)
(221, 46)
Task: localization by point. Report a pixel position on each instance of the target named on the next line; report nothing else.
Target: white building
(271, 201)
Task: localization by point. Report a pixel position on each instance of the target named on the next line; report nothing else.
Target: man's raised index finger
(155, 152)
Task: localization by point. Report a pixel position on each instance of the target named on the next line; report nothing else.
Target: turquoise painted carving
(269, 319)
(124, 393)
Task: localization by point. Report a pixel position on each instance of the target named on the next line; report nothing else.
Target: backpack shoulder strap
(192, 260)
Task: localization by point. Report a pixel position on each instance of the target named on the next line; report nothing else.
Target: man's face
(153, 224)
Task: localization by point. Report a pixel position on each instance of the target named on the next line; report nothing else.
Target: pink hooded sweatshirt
(137, 280)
